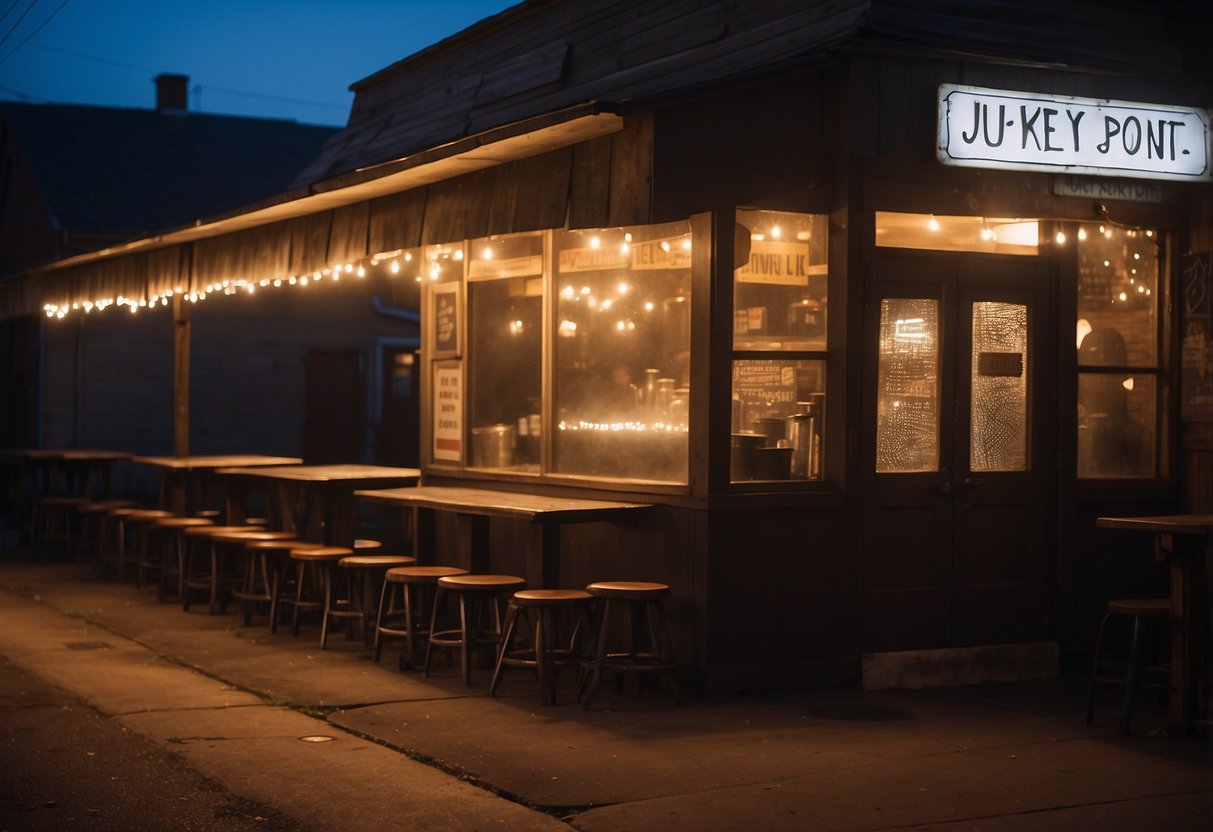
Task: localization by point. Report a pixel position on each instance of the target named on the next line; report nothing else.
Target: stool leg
(429, 646)
(327, 582)
(661, 647)
(1091, 690)
(507, 638)
(467, 629)
(300, 569)
(599, 656)
(1126, 707)
(384, 593)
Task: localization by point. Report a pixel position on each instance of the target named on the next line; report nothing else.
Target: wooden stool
(325, 559)
(364, 545)
(644, 600)
(136, 526)
(51, 520)
(208, 576)
(412, 582)
(245, 580)
(92, 527)
(545, 654)
(1139, 609)
(359, 578)
(113, 538)
(473, 591)
(266, 563)
(166, 558)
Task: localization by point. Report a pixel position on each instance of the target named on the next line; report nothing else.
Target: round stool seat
(481, 583)
(422, 574)
(181, 522)
(321, 553)
(629, 590)
(550, 597)
(121, 511)
(249, 536)
(1141, 606)
(56, 500)
(366, 545)
(211, 513)
(147, 515)
(211, 530)
(275, 544)
(104, 506)
(376, 561)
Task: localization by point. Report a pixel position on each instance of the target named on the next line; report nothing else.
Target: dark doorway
(335, 404)
(397, 439)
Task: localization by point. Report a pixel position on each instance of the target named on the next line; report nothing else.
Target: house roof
(125, 172)
(542, 55)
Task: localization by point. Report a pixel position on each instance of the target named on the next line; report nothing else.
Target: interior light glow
(1061, 238)
(595, 242)
(1127, 383)
(933, 224)
(1082, 233)
(776, 232)
(394, 268)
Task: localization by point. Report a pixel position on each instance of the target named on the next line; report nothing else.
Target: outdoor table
(317, 501)
(70, 470)
(186, 479)
(474, 506)
(1185, 542)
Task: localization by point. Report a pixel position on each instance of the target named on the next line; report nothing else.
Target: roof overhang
(496, 146)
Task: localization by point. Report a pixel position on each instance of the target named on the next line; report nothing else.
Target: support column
(181, 376)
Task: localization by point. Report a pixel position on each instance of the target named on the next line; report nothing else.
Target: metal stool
(348, 595)
(413, 583)
(202, 568)
(1139, 609)
(324, 558)
(136, 528)
(245, 574)
(474, 592)
(545, 654)
(166, 559)
(644, 601)
(51, 520)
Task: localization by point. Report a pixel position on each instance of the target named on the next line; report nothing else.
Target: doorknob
(970, 483)
(943, 485)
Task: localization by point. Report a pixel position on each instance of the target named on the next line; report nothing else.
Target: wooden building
(879, 304)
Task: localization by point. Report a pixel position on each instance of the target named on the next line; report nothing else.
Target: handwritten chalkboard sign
(444, 312)
(1196, 288)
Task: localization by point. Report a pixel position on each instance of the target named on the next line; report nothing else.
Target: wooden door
(954, 542)
(397, 440)
(334, 407)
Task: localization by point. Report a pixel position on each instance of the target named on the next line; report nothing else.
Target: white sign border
(946, 158)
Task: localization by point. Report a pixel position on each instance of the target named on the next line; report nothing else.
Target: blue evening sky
(291, 59)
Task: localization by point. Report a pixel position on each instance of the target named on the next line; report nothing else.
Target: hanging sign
(448, 412)
(777, 262)
(1027, 131)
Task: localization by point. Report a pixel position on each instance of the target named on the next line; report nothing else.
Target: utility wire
(24, 96)
(28, 9)
(99, 60)
(9, 10)
(41, 26)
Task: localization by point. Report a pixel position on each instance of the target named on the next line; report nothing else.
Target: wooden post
(181, 376)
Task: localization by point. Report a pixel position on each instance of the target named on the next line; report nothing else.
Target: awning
(518, 177)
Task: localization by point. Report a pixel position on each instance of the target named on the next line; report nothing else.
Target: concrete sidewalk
(234, 701)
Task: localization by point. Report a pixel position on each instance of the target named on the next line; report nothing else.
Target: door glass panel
(999, 387)
(907, 402)
(1117, 415)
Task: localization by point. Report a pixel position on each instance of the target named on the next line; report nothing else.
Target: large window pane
(907, 404)
(778, 418)
(779, 295)
(622, 363)
(1117, 420)
(505, 323)
(1117, 297)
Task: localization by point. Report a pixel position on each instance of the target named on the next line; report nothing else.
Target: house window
(779, 346)
(1120, 384)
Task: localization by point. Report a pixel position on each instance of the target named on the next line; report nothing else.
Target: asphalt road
(63, 766)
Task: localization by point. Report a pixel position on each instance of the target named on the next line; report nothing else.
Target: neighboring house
(75, 179)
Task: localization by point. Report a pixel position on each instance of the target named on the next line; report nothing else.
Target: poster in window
(444, 308)
(448, 412)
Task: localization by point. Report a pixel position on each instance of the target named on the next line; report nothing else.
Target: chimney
(171, 96)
